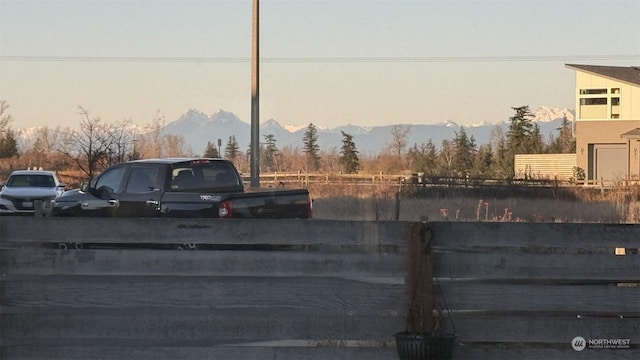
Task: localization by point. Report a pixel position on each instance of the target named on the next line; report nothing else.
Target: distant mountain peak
(194, 112)
(271, 123)
(547, 114)
(224, 116)
(192, 116)
(449, 124)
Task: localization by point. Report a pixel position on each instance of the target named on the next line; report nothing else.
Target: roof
(176, 160)
(629, 74)
(633, 134)
(32, 172)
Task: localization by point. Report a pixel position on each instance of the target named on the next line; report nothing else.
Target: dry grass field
(556, 204)
(386, 200)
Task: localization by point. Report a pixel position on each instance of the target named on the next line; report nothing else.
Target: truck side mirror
(84, 186)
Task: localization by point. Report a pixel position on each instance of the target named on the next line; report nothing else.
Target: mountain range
(198, 128)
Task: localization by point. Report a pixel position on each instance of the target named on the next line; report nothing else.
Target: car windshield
(31, 181)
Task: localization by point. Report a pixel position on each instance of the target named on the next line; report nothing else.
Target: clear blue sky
(330, 62)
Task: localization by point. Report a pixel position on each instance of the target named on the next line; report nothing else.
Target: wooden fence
(308, 289)
(301, 179)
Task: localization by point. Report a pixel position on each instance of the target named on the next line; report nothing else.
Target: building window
(592, 91)
(615, 107)
(599, 104)
(593, 108)
(593, 101)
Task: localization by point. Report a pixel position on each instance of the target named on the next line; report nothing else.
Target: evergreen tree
(311, 148)
(5, 118)
(270, 154)
(349, 155)
(464, 151)
(564, 143)
(483, 164)
(232, 148)
(430, 162)
(424, 158)
(523, 136)
(211, 151)
(8, 145)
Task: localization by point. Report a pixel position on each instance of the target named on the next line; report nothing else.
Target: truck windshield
(197, 176)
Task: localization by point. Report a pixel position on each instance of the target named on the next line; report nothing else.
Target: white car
(25, 187)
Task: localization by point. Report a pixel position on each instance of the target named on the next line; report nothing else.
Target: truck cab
(176, 187)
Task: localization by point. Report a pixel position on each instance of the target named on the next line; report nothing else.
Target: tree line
(97, 144)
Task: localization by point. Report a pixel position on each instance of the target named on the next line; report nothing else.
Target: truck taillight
(224, 209)
(309, 207)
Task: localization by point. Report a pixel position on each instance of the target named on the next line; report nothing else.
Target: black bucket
(412, 346)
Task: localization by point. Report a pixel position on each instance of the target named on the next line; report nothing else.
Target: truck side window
(110, 180)
(141, 179)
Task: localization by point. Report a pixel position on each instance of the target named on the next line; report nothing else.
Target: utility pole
(255, 95)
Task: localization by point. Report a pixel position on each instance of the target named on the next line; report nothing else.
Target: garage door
(611, 161)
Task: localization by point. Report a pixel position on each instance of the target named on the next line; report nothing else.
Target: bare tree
(399, 134)
(445, 156)
(175, 146)
(154, 135)
(503, 165)
(331, 160)
(37, 153)
(122, 140)
(91, 147)
(293, 159)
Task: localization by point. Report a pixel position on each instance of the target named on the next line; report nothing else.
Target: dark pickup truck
(179, 187)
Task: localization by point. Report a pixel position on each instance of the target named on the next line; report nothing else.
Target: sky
(326, 62)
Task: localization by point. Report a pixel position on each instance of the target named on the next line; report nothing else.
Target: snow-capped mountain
(198, 128)
(546, 114)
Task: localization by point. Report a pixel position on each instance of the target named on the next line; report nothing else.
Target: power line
(363, 59)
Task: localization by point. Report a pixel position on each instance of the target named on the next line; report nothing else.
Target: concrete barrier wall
(526, 290)
(306, 289)
(259, 290)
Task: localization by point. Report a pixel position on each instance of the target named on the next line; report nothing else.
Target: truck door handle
(113, 202)
(152, 202)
